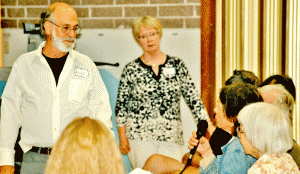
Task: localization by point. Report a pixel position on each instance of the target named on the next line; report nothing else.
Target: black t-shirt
(218, 139)
(56, 65)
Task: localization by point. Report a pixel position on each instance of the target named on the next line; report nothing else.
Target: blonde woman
(85, 146)
(148, 103)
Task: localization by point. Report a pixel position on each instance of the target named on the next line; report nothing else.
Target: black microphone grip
(201, 130)
(199, 135)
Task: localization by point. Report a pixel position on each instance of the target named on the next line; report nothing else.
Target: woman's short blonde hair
(267, 128)
(85, 146)
(148, 22)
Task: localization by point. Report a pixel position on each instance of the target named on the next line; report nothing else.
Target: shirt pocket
(78, 90)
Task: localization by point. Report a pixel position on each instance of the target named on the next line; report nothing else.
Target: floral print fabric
(149, 104)
(282, 164)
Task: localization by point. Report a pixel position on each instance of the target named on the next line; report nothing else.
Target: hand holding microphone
(202, 145)
(201, 130)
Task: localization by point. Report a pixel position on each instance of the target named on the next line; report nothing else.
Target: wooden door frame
(207, 30)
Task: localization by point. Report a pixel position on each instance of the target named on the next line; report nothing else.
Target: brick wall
(107, 13)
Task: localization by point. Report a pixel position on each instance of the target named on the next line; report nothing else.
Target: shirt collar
(233, 139)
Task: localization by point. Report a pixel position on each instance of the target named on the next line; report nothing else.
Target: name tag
(81, 72)
(169, 72)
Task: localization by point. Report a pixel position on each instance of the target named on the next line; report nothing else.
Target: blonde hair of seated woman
(85, 146)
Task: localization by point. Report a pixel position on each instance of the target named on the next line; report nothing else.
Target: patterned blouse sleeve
(122, 98)
(190, 94)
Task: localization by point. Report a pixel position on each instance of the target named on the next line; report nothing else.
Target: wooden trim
(207, 27)
(283, 43)
(261, 41)
(223, 41)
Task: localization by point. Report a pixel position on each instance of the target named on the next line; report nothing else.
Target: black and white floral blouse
(149, 104)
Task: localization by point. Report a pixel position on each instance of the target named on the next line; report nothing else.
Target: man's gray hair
(46, 16)
(267, 128)
(284, 99)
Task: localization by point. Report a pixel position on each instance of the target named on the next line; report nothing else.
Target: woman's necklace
(152, 64)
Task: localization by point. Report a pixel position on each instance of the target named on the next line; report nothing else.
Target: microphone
(201, 130)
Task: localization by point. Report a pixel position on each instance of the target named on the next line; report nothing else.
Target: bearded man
(47, 88)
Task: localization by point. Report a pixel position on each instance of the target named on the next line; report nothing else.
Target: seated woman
(220, 137)
(85, 146)
(233, 159)
(232, 99)
(265, 133)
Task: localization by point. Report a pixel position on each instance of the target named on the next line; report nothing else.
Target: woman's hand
(203, 148)
(124, 145)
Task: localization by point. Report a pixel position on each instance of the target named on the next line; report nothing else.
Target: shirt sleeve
(207, 160)
(99, 99)
(191, 95)
(10, 118)
(123, 95)
(209, 165)
(234, 161)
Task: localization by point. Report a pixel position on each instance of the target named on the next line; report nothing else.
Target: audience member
(265, 133)
(277, 95)
(218, 137)
(285, 80)
(148, 105)
(85, 146)
(232, 99)
(243, 76)
(47, 88)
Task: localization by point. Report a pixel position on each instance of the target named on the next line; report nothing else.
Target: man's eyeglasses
(66, 29)
(151, 35)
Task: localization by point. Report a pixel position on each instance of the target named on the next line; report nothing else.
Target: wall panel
(293, 57)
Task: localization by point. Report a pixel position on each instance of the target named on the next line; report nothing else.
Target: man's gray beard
(59, 43)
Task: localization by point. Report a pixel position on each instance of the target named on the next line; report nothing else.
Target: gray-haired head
(277, 95)
(267, 128)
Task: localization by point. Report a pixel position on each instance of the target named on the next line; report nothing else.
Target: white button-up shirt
(32, 100)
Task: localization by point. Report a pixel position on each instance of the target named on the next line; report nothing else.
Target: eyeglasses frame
(151, 35)
(238, 131)
(77, 28)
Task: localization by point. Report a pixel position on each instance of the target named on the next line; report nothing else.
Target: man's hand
(124, 145)
(7, 169)
(203, 148)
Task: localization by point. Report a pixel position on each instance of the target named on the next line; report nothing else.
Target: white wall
(118, 45)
